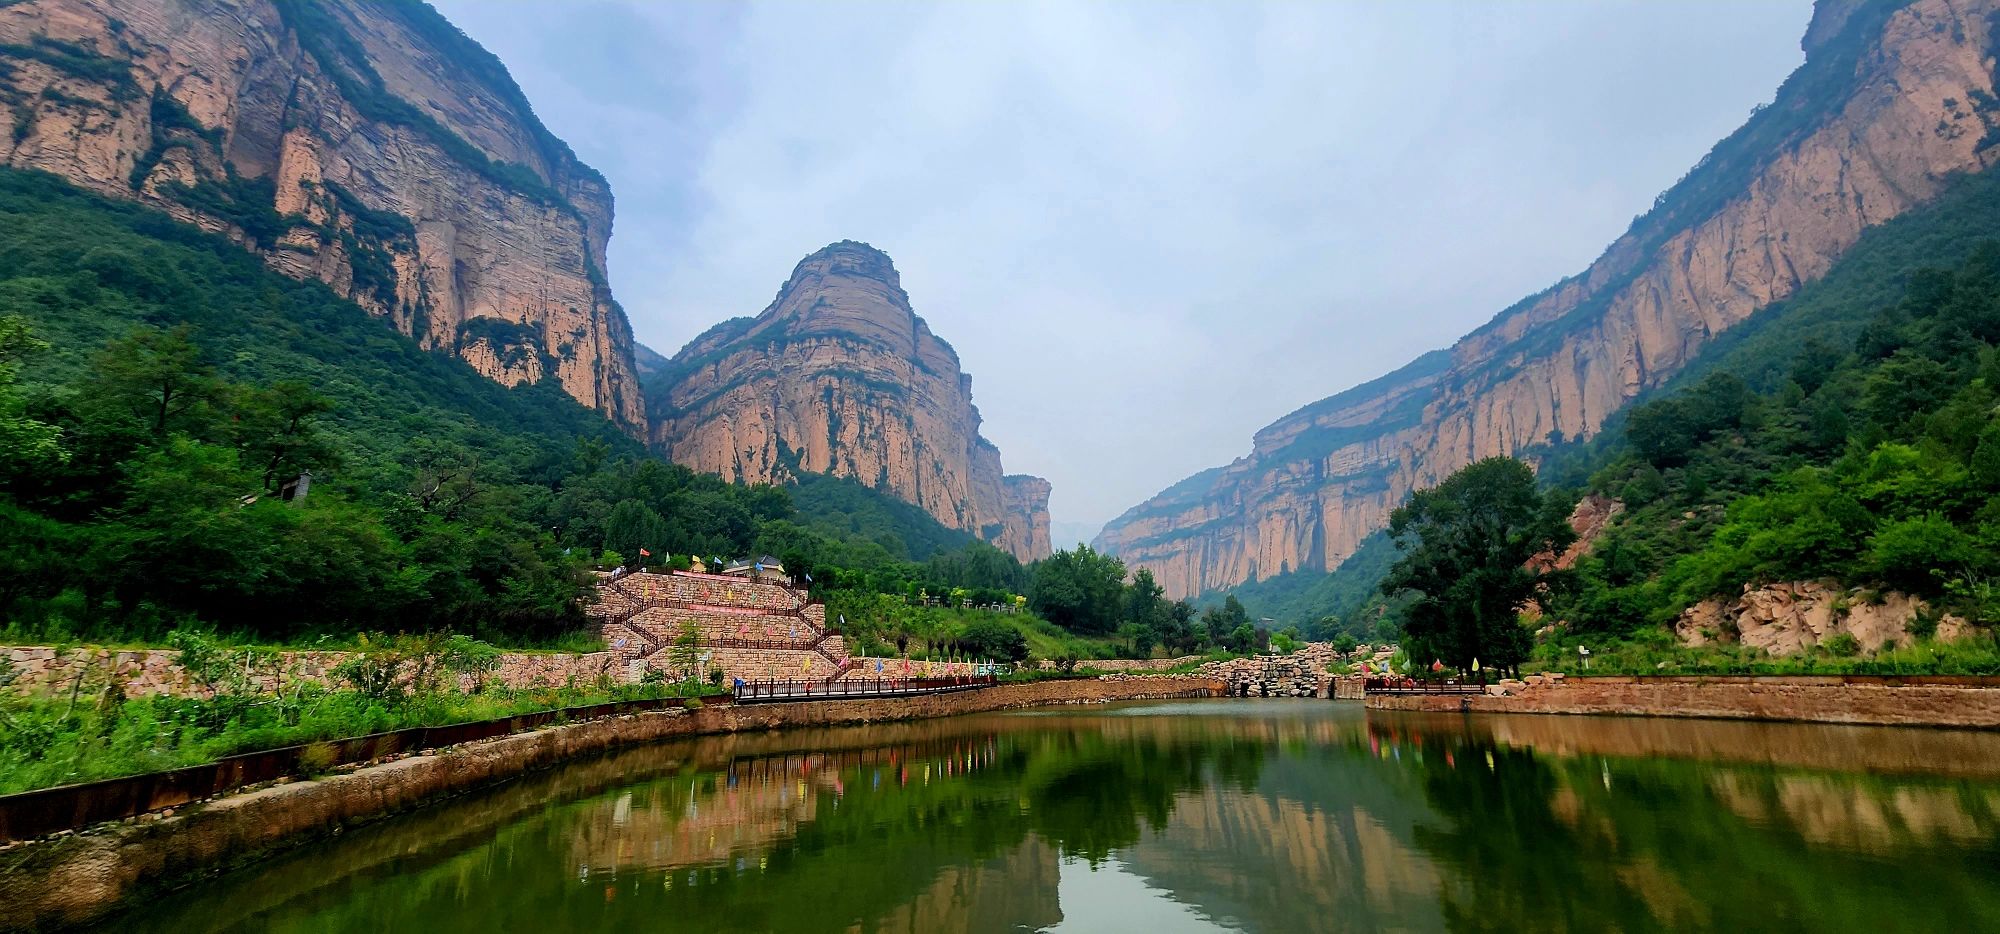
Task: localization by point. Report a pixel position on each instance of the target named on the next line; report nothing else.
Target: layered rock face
(1895, 97)
(840, 376)
(364, 143)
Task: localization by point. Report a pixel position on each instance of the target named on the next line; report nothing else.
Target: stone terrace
(748, 629)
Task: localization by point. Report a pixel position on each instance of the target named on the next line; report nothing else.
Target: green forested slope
(188, 382)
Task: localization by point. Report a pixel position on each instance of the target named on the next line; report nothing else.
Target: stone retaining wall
(72, 878)
(1805, 699)
(46, 669)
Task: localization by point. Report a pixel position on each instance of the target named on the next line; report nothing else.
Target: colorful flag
(643, 553)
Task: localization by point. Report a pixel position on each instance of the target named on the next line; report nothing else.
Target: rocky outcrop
(1895, 98)
(365, 143)
(839, 376)
(1789, 618)
(1589, 520)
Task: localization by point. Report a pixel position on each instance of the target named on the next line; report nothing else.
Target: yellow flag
(1475, 664)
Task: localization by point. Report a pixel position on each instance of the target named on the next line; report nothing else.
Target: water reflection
(1224, 815)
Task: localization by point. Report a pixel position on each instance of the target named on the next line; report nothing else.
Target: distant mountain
(365, 143)
(1896, 100)
(839, 376)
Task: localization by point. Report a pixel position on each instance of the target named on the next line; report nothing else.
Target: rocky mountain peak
(840, 375)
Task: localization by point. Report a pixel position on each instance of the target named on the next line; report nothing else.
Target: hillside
(839, 376)
(183, 383)
(1894, 101)
(367, 144)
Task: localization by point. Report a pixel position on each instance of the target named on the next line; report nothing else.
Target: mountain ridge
(367, 144)
(1895, 97)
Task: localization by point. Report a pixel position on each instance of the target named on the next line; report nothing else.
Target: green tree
(1467, 544)
(1221, 622)
(155, 378)
(993, 640)
(1080, 590)
(25, 443)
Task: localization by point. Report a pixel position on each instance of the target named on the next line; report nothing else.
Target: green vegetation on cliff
(159, 386)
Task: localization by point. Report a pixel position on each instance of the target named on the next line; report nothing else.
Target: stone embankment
(41, 669)
(73, 878)
(1914, 701)
(1303, 673)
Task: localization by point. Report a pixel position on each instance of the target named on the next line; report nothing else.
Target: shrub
(1842, 645)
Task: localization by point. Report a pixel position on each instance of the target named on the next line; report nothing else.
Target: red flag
(643, 553)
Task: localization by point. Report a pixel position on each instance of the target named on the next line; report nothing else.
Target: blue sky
(1148, 228)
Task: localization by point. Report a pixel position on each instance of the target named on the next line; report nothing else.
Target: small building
(765, 569)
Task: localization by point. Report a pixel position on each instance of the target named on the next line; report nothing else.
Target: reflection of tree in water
(1088, 791)
(879, 838)
(1599, 844)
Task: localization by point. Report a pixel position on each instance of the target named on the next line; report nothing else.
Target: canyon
(367, 144)
(840, 376)
(1893, 101)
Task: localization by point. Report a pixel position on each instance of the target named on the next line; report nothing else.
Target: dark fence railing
(754, 691)
(30, 814)
(1416, 686)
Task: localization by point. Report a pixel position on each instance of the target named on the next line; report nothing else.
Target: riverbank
(1967, 703)
(73, 878)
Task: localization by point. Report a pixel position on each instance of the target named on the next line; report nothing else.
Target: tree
(631, 526)
(1178, 632)
(991, 639)
(155, 377)
(25, 443)
(1466, 545)
(1221, 622)
(1079, 590)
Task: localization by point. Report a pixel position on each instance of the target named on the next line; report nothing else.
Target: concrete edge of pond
(74, 878)
(1929, 705)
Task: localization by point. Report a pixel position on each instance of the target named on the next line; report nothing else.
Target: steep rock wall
(839, 376)
(1894, 99)
(364, 143)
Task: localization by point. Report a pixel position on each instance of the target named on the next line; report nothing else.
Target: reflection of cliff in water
(1263, 816)
(1593, 843)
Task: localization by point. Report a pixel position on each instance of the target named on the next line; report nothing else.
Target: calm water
(1186, 816)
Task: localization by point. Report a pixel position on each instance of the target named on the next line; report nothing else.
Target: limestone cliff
(365, 143)
(840, 376)
(1894, 98)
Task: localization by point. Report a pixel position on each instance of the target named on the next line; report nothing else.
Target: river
(1223, 815)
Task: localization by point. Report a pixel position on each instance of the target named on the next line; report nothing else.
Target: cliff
(365, 143)
(1894, 99)
(839, 376)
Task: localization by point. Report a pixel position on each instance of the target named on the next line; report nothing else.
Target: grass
(93, 735)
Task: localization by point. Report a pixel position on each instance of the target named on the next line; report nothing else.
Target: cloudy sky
(1148, 228)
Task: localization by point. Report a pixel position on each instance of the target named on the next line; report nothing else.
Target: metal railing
(748, 692)
(1415, 686)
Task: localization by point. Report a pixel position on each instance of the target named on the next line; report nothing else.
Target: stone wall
(143, 672)
(1896, 702)
(1302, 673)
(745, 628)
(73, 878)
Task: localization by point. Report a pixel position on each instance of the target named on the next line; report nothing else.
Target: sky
(1148, 228)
